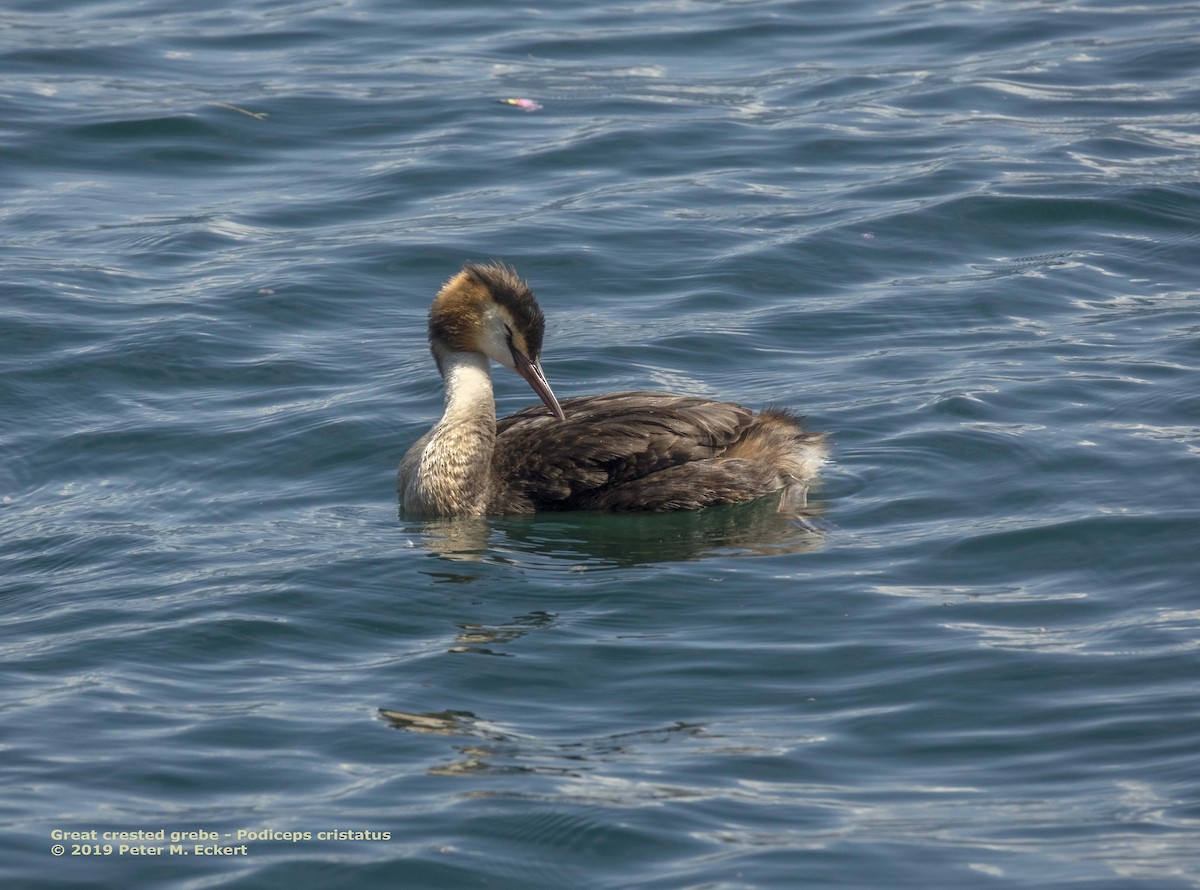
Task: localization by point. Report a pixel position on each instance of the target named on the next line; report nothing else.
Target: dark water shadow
(484, 746)
(581, 541)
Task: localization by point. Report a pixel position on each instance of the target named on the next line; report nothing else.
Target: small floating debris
(257, 115)
(523, 104)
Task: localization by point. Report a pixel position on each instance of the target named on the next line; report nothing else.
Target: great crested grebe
(620, 451)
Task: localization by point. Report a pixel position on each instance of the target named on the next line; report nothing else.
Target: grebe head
(490, 309)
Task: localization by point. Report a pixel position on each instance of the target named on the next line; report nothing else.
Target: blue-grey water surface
(961, 237)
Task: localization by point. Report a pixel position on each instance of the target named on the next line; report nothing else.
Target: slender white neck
(468, 380)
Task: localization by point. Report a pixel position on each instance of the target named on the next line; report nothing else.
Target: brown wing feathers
(614, 441)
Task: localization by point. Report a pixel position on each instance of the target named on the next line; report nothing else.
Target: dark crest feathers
(511, 291)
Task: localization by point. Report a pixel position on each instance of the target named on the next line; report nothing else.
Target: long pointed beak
(536, 378)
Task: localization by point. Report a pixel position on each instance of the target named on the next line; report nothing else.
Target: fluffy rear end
(777, 439)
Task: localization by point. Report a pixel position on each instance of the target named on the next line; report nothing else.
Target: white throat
(468, 382)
